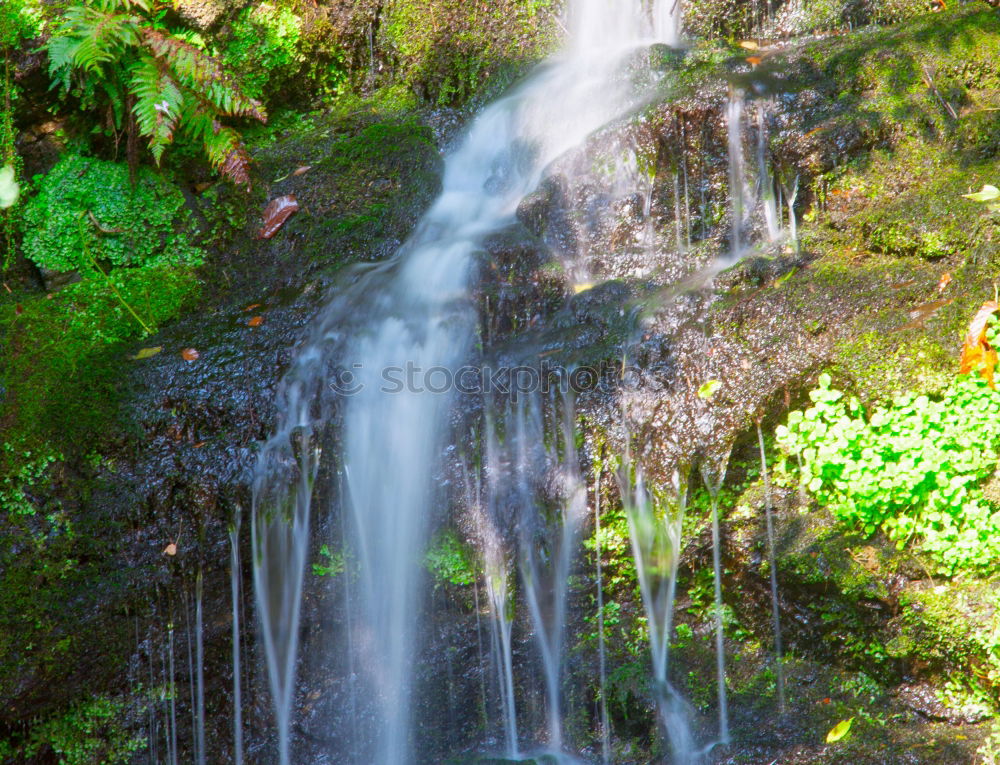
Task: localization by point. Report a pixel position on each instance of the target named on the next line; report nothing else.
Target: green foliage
(28, 473)
(119, 54)
(276, 50)
(331, 565)
(912, 468)
(450, 560)
(265, 46)
(89, 733)
(86, 211)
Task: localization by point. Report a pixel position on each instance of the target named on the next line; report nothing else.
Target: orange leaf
(944, 282)
(977, 354)
(256, 321)
(190, 354)
(252, 306)
(170, 549)
(753, 60)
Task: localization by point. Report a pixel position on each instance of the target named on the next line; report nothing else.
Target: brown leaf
(302, 170)
(170, 549)
(278, 210)
(977, 354)
(256, 321)
(200, 187)
(944, 282)
(18, 309)
(236, 166)
(190, 354)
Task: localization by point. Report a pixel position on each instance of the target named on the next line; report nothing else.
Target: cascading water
(410, 316)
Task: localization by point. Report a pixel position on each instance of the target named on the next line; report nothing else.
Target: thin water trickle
(602, 658)
(771, 214)
(737, 176)
(714, 473)
(655, 530)
(199, 634)
(234, 586)
(779, 670)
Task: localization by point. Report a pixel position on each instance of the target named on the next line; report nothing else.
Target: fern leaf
(201, 72)
(158, 105)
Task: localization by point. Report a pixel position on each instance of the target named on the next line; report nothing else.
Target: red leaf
(278, 210)
(18, 309)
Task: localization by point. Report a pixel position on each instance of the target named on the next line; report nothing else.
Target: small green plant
(912, 468)
(331, 563)
(450, 560)
(90, 732)
(87, 211)
(27, 471)
(157, 81)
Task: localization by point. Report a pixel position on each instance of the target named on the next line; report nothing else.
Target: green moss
(280, 47)
(63, 352)
(448, 50)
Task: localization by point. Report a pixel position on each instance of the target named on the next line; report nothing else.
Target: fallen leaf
(753, 60)
(198, 445)
(749, 45)
(839, 730)
(18, 309)
(977, 354)
(944, 282)
(825, 701)
(200, 187)
(256, 321)
(145, 353)
(986, 194)
(252, 306)
(278, 210)
(170, 549)
(708, 389)
(301, 170)
(578, 288)
(922, 313)
(190, 354)
(902, 285)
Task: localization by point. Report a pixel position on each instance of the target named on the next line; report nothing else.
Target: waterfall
(766, 185)
(376, 360)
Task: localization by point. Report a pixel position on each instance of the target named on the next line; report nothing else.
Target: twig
(930, 84)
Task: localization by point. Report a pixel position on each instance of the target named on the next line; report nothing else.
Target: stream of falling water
(412, 314)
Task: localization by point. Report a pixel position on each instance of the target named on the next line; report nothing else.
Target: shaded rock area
(607, 266)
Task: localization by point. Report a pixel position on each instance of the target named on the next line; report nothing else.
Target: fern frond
(158, 105)
(203, 73)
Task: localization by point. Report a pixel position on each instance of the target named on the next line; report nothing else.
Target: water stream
(379, 343)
